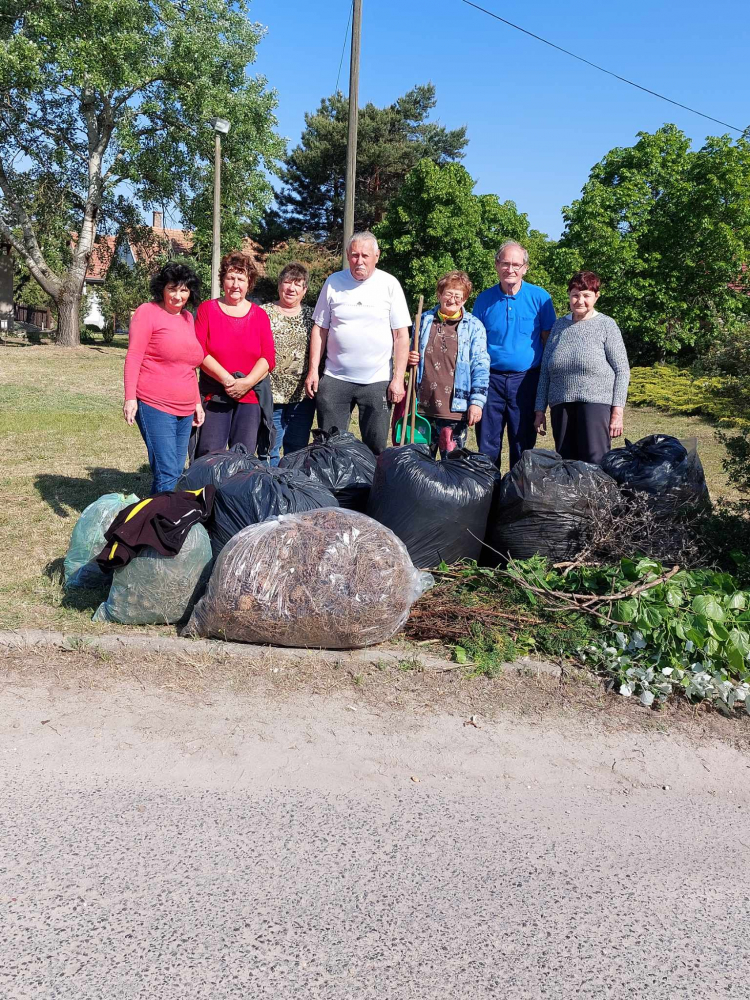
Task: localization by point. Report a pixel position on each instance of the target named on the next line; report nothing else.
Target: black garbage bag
(264, 492)
(543, 506)
(216, 467)
(338, 461)
(439, 510)
(662, 466)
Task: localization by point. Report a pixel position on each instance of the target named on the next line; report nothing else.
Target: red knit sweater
(163, 353)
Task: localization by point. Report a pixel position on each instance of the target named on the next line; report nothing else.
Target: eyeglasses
(509, 267)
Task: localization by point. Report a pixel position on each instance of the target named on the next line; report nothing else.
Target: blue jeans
(166, 438)
(293, 422)
(510, 403)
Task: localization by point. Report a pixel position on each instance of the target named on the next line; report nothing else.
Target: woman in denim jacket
(453, 366)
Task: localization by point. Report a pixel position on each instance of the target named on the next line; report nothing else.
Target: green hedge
(679, 391)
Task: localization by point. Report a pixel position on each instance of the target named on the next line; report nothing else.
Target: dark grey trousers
(336, 399)
(581, 430)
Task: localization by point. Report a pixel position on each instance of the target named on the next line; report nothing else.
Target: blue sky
(537, 120)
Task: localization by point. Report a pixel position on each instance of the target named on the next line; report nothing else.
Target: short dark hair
(174, 273)
(235, 260)
(295, 272)
(585, 281)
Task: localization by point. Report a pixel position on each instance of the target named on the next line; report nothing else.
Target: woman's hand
(200, 415)
(311, 384)
(239, 388)
(615, 422)
(540, 422)
(396, 390)
(413, 359)
(474, 415)
(129, 410)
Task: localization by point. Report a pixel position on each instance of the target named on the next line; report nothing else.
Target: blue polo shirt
(514, 325)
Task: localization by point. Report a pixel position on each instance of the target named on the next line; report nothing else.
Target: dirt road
(260, 843)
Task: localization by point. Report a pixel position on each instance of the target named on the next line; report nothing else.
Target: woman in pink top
(236, 338)
(161, 390)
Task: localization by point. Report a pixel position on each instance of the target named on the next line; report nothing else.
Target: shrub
(687, 393)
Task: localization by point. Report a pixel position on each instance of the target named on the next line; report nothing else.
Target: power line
(601, 69)
(343, 47)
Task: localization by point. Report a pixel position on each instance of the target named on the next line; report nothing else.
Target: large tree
(391, 141)
(107, 102)
(436, 224)
(668, 229)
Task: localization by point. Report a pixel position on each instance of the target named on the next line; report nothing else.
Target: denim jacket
(472, 378)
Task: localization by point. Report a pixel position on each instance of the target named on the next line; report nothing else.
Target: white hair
(364, 237)
(513, 243)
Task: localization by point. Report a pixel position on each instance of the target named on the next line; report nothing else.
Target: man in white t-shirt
(362, 324)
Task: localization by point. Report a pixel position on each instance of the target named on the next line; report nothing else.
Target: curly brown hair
(235, 260)
(455, 279)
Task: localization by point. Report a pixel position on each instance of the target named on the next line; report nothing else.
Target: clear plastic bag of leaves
(159, 590)
(328, 578)
(544, 506)
(87, 540)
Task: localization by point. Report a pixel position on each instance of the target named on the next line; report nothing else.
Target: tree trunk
(68, 325)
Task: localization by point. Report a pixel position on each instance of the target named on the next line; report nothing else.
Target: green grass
(63, 443)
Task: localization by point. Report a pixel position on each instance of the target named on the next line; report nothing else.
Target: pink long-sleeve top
(236, 342)
(163, 353)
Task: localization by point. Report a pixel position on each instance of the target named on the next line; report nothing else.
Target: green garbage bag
(159, 590)
(87, 540)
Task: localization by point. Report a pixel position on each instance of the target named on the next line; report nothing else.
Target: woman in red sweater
(235, 335)
(161, 390)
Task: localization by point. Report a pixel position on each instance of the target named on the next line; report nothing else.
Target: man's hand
(200, 415)
(129, 410)
(396, 390)
(413, 359)
(311, 384)
(540, 423)
(615, 422)
(474, 415)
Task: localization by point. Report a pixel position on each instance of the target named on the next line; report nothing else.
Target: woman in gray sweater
(584, 376)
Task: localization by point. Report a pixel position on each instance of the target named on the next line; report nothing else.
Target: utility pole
(221, 127)
(351, 142)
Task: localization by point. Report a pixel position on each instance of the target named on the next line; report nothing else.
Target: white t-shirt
(360, 317)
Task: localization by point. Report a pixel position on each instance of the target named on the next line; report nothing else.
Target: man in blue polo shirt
(518, 318)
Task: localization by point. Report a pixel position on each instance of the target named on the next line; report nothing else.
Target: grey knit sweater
(584, 362)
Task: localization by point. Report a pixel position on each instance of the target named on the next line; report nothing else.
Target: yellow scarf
(442, 317)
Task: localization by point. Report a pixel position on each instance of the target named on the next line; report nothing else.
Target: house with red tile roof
(145, 246)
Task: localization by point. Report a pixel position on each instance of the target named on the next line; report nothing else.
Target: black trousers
(581, 430)
(336, 399)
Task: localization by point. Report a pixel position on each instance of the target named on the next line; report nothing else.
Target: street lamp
(220, 126)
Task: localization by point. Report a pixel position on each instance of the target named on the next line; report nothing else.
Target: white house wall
(92, 310)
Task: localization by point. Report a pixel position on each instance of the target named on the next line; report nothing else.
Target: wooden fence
(38, 317)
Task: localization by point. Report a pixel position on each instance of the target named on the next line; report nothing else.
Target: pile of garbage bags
(331, 578)
(438, 509)
(663, 467)
(286, 555)
(339, 462)
(543, 506)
